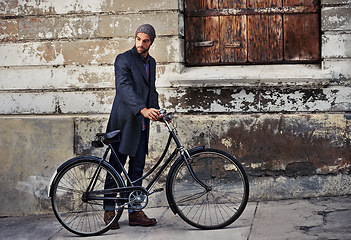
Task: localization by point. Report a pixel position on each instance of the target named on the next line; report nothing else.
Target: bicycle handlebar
(166, 116)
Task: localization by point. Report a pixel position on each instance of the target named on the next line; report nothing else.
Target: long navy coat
(134, 91)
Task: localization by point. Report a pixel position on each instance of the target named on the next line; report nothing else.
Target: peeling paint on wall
(253, 100)
(281, 144)
(266, 144)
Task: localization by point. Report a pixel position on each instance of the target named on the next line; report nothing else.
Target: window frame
(247, 12)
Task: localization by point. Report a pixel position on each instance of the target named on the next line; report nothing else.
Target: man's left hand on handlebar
(154, 114)
(150, 113)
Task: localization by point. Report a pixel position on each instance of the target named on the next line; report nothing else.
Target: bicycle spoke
(67, 189)
(192, 206)
(229, 199)
(192, 197)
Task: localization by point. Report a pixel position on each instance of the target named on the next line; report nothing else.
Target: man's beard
(142, 50)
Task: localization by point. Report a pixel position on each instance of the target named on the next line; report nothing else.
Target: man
(135, 104)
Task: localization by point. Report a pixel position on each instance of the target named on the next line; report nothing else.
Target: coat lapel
(152, 69)
(140, 64)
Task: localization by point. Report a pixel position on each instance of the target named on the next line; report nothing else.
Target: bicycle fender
(191, 151)
(196, 149)
(58, 170)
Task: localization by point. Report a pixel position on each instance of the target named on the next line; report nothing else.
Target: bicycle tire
(77, 216)
(222, 204)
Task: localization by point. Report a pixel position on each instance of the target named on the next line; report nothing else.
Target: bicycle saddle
(107, 138)
(112, 137)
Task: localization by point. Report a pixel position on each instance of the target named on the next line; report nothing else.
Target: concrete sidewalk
(315, 218)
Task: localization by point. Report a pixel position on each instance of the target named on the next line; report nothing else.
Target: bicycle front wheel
(71, 203)
(224, 199)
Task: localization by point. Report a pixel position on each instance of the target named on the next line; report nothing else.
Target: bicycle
(207, 188)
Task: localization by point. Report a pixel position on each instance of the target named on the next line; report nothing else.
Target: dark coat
(133, 93)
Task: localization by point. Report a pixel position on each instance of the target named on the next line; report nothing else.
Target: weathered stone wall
(336, 38)
(289, 125)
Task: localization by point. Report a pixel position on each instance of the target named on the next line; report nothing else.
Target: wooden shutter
(301, 31)
(251, 31)
(202, 38)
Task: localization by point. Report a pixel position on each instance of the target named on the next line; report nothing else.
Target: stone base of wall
(285, 155)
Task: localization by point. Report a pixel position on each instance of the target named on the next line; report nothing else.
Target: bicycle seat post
(106, 153)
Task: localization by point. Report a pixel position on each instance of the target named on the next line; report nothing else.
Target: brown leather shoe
(139, 218)
(108, 216)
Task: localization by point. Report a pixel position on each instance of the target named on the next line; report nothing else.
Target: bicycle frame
(179, 149)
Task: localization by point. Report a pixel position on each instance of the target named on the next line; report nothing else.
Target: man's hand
(150, 113)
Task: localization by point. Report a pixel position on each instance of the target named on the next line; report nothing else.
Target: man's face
(142, 43)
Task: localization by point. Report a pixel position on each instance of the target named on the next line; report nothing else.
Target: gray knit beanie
(147, 29)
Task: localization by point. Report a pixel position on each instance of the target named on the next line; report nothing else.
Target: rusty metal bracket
(204, 44)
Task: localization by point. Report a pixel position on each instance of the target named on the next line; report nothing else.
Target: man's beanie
(147, 29)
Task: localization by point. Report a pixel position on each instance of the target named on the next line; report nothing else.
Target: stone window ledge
(307, 75)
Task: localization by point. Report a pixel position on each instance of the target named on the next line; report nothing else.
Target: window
(251, 31)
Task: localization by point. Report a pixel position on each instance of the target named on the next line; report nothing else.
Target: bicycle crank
(138, 200)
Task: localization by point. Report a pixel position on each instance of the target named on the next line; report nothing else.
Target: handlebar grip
(166, 116)
(163, 111)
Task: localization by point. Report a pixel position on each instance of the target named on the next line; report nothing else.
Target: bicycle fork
(186, 156)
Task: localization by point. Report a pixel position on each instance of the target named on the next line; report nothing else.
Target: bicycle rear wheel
(68, 196)
(216, 207)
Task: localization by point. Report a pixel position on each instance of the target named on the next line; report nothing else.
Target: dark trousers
(135, 170)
